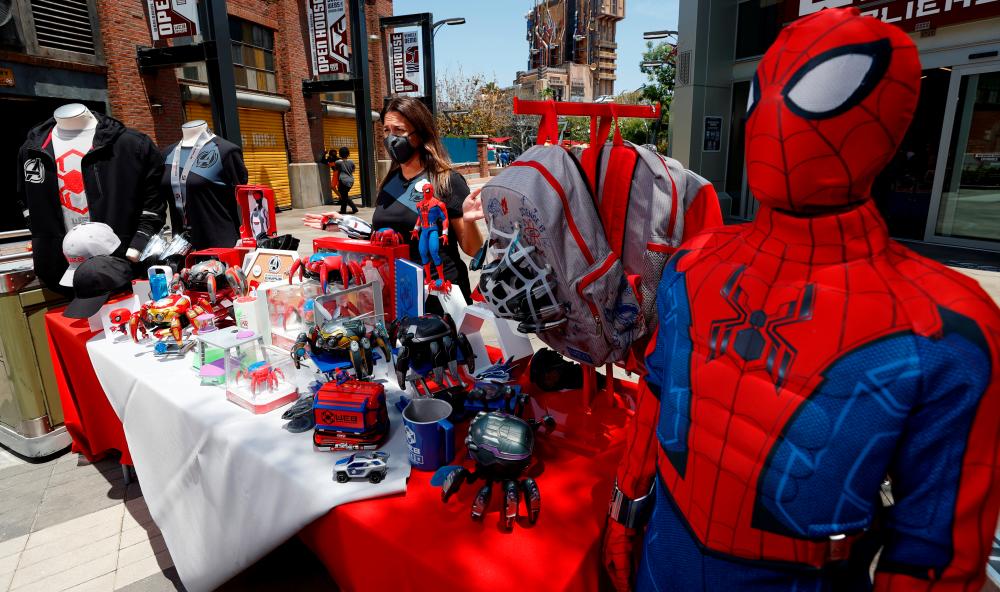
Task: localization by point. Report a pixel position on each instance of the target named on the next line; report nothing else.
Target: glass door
(966, 210)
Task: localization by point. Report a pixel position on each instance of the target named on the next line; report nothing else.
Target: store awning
(334, 110)
(499, 140)
(200, 94)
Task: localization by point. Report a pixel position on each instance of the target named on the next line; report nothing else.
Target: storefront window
(757, 26)
(902, 191)
(970, 195)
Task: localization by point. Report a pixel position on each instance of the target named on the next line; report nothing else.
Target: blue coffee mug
(430, 437)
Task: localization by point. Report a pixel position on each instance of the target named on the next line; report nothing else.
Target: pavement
(70, 525)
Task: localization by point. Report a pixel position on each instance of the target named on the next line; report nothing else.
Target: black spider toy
(501, 444)
(430, 344)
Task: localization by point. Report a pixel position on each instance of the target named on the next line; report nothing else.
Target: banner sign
(172, 18)
(406, 73)
(328, 36)
(909, 15)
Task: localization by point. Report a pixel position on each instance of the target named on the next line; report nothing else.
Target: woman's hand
(472, 207)
(316, 220)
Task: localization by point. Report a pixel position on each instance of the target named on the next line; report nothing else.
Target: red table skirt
(88, 415)
(415, 542)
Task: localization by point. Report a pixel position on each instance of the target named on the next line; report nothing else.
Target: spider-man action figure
(430, 212)
(804, 357)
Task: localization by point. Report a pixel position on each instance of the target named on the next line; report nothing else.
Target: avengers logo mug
(430, 437)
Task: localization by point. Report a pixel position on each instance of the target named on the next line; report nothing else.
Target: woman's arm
(467, 235)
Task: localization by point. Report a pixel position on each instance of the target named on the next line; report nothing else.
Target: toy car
(372, 466)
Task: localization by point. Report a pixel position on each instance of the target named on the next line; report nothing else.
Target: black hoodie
(121, 175)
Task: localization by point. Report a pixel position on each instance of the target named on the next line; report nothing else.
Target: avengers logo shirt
(69, 148)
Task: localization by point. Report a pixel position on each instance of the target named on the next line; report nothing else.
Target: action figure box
(376, 262)
(257, 214)
(265, 266)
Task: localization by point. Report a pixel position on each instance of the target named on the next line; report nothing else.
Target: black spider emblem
(753, 336)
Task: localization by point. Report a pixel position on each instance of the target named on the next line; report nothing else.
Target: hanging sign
(406, 73)
(172, 18)
(909, 15)
(328, 36)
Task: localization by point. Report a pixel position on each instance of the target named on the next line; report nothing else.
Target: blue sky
(492, 42)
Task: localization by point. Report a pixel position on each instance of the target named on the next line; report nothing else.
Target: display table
(89, 418)
(416, 542)
(223, 485)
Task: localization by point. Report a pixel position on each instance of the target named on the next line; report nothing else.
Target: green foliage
(470, 105)
(660, 85)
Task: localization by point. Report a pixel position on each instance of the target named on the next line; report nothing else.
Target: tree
(660, 85)
(470, 105)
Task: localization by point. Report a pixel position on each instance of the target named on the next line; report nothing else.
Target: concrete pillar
(310, 184)
(708, 93)
(482, 152)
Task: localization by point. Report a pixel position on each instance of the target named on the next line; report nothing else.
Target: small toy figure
(322, 265)
(430, 344)
(119, 317)
(373, 466)
(167, 316)
(490, 396)
(386, 237)
(212, 279)
(501, 444)
(261, 375)
(430, 213)
(335, 338)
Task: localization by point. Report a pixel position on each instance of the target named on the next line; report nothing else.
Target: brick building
(54, 52)
(572, 49)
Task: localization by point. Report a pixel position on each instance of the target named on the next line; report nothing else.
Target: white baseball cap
(85, 241)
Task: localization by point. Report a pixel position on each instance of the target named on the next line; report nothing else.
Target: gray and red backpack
(578, 266)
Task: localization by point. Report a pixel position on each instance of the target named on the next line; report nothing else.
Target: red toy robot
(803, 358)
(431, 212)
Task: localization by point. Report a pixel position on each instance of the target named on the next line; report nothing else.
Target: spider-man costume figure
(805, 356)
(430, 212)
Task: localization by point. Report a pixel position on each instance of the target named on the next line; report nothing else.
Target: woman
(412, 141)
(342, 180)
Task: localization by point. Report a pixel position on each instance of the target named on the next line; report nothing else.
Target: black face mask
(399, 148)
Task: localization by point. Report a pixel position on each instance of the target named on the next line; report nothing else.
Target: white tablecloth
(224, 486)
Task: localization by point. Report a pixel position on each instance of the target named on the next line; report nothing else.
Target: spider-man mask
(828, 106)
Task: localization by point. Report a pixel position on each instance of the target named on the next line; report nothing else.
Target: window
(758, 23)
(253, 58)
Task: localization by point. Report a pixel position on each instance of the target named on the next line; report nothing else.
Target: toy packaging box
(377, 262)
(350, 416)
(257, 213)
(288, 310)
(254, 377)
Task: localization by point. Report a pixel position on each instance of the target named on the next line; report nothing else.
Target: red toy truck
(350, 416)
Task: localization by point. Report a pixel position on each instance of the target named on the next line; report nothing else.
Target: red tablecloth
(416, 542)
(89, 418)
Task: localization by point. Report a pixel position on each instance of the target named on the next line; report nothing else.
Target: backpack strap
(591, 157)
(548, 127)
(615, 191)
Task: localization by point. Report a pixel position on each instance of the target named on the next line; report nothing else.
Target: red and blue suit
(805, 358)
(431, 230)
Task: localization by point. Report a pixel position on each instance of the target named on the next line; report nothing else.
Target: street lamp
(658, 34)
(447, 21)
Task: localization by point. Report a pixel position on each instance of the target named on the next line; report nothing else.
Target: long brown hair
(431, 151)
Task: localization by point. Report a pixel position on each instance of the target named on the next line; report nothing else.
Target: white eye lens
(750, 97)
(835, 81)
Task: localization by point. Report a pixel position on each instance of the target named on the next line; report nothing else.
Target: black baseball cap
(94, 281)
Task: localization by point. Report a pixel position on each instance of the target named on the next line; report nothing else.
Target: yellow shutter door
(264, 150)
(342, 131)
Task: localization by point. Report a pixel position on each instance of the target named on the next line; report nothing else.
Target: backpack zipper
(589, 279)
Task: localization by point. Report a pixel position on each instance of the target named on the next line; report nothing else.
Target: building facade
(54, 52)
(944, 184)
(572, 49)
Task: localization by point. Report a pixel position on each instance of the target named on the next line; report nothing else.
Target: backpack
(649, 204)
(548, 262)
